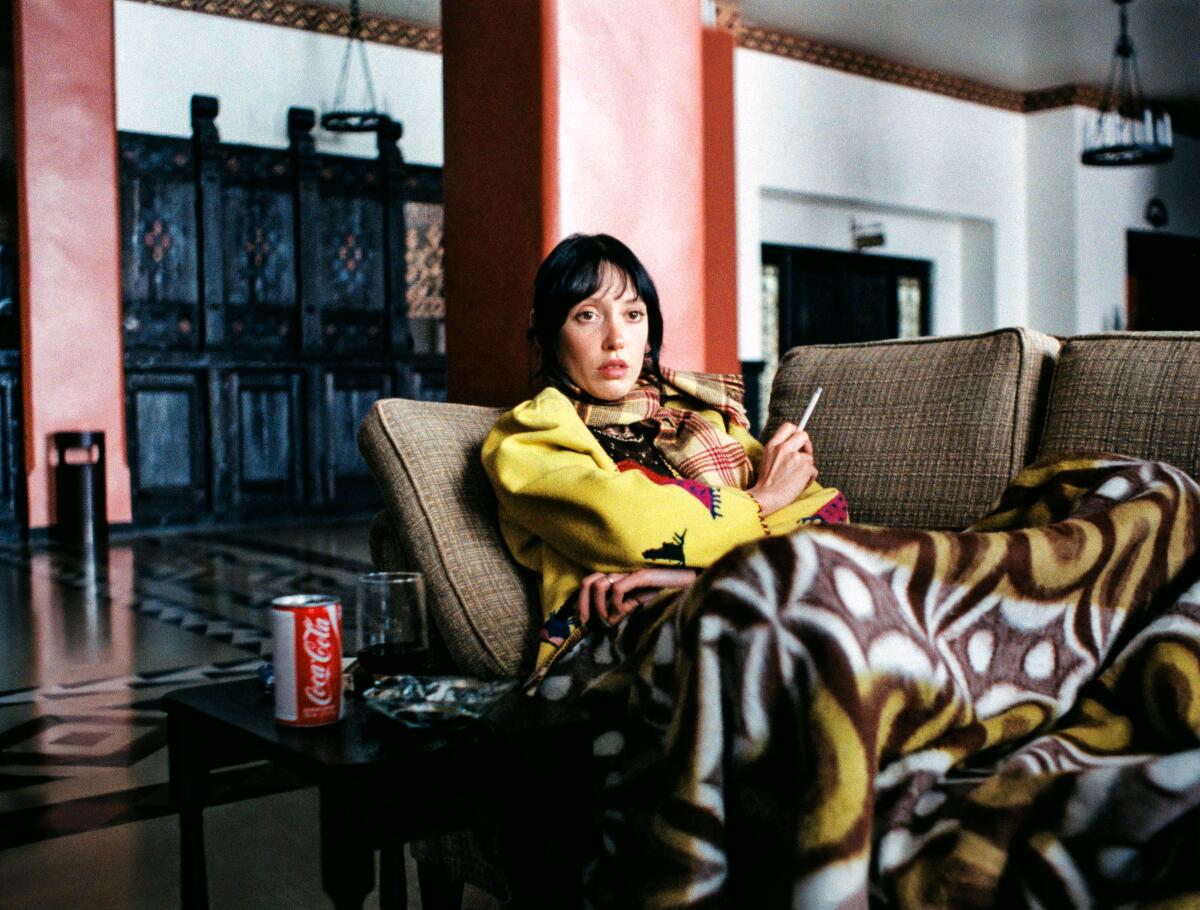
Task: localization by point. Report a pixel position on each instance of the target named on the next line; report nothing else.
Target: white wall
(806, 132)
(1052, 157)
(164, 56)
(1111, 201)
(1079, 216)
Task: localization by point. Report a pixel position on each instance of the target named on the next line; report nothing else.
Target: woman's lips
(614, 370)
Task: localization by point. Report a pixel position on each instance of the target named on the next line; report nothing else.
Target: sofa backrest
(921, 432)
(1131, 393)
(425, 458)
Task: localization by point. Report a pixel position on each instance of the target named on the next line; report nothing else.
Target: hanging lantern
(342, 118)
(1126, 130)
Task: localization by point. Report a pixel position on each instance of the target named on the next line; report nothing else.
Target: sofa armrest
(425, 458)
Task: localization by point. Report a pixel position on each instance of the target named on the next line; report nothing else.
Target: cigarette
(812, 404)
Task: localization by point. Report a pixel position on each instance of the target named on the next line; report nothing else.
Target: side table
(381, 785)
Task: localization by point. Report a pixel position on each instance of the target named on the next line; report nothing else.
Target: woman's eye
(636, 315)
(586, 315)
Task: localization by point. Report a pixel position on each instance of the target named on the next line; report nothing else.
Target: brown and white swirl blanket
(854, 716)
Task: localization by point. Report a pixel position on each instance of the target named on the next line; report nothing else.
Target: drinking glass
(393, 636)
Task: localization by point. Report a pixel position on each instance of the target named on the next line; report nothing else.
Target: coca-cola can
(307, 630)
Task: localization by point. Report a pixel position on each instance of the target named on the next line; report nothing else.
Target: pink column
(631, 147)
(720, 204)
(69, 228)
(564, 117)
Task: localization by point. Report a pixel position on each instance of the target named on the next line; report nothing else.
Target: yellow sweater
(567, 511)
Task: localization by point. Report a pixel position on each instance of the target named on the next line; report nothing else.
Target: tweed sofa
(917, 433)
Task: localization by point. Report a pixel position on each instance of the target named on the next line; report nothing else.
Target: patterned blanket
(854, 716)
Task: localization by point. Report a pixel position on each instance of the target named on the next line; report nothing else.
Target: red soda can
(307, 629)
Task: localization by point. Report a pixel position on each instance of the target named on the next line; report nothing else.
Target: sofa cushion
(921, 432)
(1130, 393)
(425, 457)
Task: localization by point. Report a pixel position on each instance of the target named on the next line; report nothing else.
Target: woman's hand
(786, 469)
(613, 595)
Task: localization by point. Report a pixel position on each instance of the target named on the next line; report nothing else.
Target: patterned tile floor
(89, 647)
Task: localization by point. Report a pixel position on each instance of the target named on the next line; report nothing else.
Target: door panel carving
(165, 420)
(348, 399)
(159, 280)
(271, 296)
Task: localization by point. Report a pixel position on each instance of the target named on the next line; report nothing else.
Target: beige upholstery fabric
(1132, 393)
(924, 432)
(425, 457)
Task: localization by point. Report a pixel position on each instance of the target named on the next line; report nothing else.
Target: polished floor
(89, 647)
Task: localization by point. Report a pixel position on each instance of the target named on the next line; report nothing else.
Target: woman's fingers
(778, 450)
(785, 430)
(660, 578)
(798, 441)
(593, 595)
(637, 588)
(583, 599)
(613, 595)
(600, 603)
(623, 594)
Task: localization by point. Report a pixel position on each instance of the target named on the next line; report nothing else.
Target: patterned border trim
(1184, 118)
(769, 41)
(1064, 96)
(314, 18)
(785, 44)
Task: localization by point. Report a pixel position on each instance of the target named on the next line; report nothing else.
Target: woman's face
(603, 341)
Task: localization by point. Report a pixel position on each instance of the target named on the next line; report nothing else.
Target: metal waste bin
(79, 488)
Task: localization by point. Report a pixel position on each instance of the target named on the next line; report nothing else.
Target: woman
(622, 477)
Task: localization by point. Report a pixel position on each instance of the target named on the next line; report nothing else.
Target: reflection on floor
(90, 645)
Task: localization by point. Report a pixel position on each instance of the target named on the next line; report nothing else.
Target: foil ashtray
(436, 701)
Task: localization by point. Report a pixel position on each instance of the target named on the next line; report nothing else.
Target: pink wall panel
(69, 226)
(630, 143)
(566, 116)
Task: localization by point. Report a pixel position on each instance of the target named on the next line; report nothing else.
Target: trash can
(79, 488)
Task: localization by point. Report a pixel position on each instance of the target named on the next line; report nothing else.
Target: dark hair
(574, 271)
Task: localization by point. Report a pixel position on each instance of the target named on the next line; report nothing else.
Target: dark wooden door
(265, 459)
(349, 395)
(11, 434)
(166, 420)
(834, 297)
(1162, 285)
(266, 307)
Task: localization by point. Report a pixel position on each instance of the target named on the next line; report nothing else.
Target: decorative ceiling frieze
(859, 64)
(311, 17)
(1064, 96)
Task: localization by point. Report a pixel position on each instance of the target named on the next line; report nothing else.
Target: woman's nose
(613, 340)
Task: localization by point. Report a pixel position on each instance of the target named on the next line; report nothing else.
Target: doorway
(1162, 293)
(835, 297)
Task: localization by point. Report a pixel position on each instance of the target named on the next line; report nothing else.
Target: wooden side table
(381, 785)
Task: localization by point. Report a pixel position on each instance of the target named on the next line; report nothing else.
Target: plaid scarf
(690, 444)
